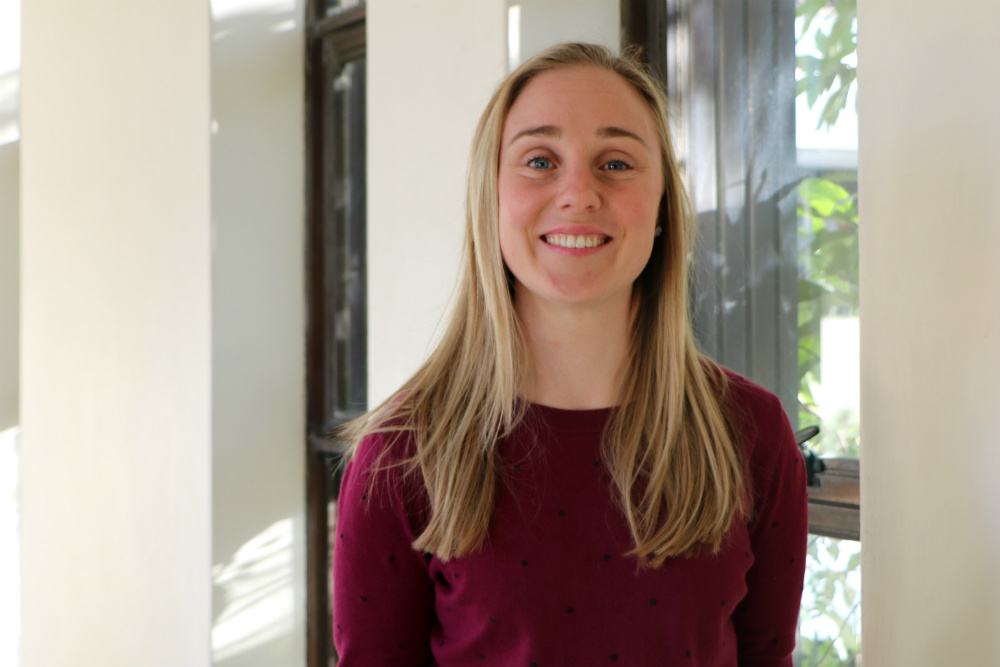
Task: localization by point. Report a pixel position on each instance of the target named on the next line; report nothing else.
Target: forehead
(580, 98)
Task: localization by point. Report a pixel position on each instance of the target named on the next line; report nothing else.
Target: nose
(579, 190)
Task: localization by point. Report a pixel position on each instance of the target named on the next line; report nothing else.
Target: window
(337, 349)
(775, 292)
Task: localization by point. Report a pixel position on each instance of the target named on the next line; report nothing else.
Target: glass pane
(826, 146)
(830, 617)
(335, 6)
(826, 142)
(348, 234)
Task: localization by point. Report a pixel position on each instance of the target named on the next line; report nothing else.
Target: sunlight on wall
(259, 597)
(10, 552)
(10, 69)
(10, 464)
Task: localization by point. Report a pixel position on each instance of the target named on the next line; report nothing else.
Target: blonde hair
(669, 449)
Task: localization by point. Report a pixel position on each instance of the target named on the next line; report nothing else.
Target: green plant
(834, 65)
(828, 284)
(831, 600)
(829, 620)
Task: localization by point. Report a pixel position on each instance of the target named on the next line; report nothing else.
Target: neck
(575, 354)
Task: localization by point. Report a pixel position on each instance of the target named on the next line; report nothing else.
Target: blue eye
(617, 165)
(540, 163)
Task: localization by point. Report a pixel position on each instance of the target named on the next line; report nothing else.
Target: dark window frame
(331, 40)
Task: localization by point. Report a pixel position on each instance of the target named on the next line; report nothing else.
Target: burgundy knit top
(553, 586)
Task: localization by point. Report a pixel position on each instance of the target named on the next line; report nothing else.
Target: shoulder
(383, 472)
(379, 459)
(752, 409)
(762, 428)
(757, 420)
(382, 438)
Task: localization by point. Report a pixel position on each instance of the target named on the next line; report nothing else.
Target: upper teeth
(571, 241)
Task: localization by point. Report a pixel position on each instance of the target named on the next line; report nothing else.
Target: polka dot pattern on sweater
(555, 576)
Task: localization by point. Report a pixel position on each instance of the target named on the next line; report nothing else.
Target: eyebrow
(609, 131)
(541, 131)
(612, 131)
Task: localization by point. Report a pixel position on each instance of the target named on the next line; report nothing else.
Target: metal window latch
(814, 464)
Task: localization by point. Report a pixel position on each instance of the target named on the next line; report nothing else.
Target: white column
(929, 164)
(115, 333)
(432, 65)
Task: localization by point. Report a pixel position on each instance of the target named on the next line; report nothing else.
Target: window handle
(814, 464)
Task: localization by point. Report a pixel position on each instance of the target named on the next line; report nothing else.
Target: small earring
(659, 230)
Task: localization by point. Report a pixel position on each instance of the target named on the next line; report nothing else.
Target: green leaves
(823, 196)
(827, 284)
(829, 621)
(818, 74)
(831, 603)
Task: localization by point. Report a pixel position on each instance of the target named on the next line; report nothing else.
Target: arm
(765, 621)
(383, 607)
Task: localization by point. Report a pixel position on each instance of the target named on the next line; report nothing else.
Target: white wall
(258, 333)
(10, 78)
(9, 269)
(162, 312)
(10, 264)
(115, 333)
(929, 164)
(432, 65)
(10, 469)
(542, 23)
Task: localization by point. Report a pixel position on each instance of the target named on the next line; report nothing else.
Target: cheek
(646, 213)
(513, 209)
(508, 234)
(515, 221)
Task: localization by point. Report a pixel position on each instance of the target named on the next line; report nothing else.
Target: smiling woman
(567, 480)
(579, 194)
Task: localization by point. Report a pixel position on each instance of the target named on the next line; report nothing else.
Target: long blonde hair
(669, 447)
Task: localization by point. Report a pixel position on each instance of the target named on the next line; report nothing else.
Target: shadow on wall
(258, 601)
(258, 478)
(10, 551)
(10, 180)
(10, 465)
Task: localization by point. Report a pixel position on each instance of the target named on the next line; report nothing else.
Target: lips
(576, 240)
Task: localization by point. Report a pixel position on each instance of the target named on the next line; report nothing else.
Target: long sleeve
(383, 593)
(765, 621)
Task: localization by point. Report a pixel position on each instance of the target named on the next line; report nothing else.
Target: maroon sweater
(552, 587)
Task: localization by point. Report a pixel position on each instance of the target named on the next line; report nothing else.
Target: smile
(575, 241)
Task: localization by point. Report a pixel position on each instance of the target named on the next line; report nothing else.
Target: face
(580, 181)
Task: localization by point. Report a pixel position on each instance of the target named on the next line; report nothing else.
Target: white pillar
(116, 333)
(929, 167)
(432, 65)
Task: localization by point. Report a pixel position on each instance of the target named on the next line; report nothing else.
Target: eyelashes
(544, 163)
(620, 165)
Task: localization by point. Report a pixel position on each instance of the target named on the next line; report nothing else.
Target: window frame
(728, 49)
(331, 39)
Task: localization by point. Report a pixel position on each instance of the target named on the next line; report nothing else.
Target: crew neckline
(563, 419)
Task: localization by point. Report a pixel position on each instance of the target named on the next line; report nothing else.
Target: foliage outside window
(829, 624)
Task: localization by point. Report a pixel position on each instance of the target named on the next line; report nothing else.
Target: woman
(567, 480)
